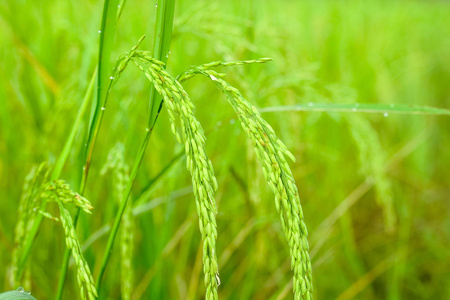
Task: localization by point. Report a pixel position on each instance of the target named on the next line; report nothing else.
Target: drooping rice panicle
(187, 129)
(60, 191)
(37, 188)
(126, 252)
(372, 158)
(84, 277)
(271, 153)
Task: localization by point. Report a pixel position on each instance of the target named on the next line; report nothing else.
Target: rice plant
(128, 152)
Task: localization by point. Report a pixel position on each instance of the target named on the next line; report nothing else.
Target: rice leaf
(386, 109)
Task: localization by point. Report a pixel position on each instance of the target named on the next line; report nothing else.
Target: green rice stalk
(111, 13)
(161, 45)
(104, 79)
(271, 153)
(58, 168)
(163, 33)
(121, 64)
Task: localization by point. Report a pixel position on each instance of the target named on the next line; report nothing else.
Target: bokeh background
(375, 189)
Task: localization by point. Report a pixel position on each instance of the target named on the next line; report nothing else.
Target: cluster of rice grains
(189, 132)
(37, 190)
(60, 192)
(84, 277)
(270, 151)
(120, 170)
(27, 212)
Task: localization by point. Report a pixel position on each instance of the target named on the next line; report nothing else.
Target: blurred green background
(375, 189)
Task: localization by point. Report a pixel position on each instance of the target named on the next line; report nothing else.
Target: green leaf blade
(16, 295)
(406, 109)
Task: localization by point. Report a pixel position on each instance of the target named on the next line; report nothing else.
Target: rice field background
(357, 90)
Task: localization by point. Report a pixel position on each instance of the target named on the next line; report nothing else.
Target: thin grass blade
(405, 109)
(161, 46)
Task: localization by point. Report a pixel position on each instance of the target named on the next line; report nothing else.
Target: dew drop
(118, 6)
(232, 121)
(99, 31)
(28, 292)
(354, 109)
(156, 5)
(112, 78)
(385, 114)
(213, 78)
(103, 108)
(147, 129)
(310, 104)
(21, 289)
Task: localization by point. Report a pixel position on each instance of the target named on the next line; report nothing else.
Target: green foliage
(358, 173)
